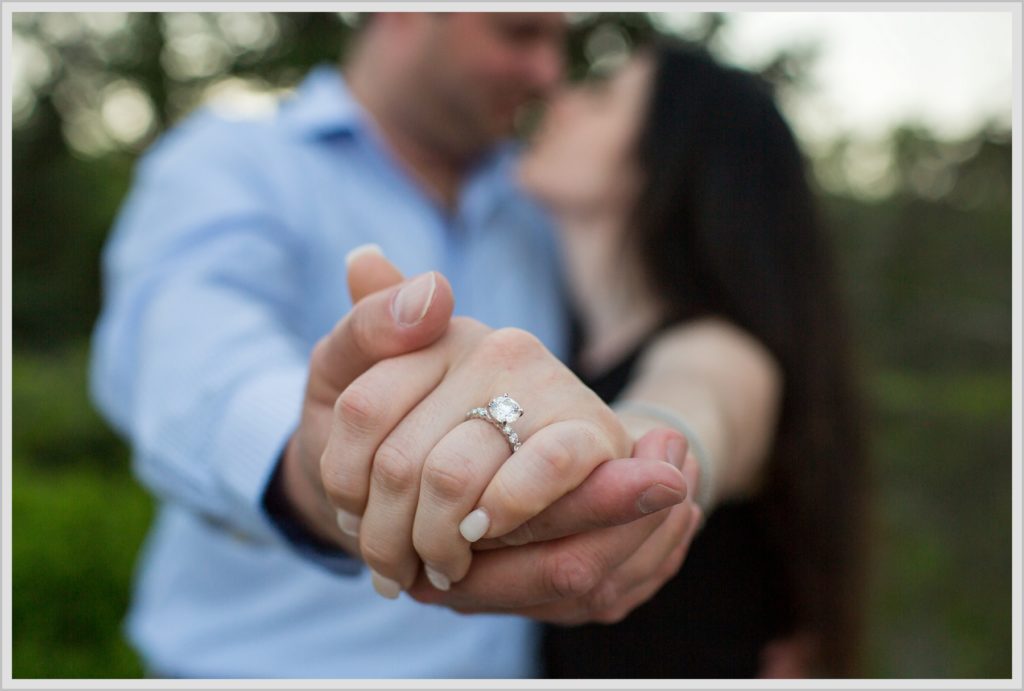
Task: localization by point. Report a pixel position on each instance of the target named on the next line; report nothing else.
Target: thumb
(369, 271)
(405, 317)
(662, 443)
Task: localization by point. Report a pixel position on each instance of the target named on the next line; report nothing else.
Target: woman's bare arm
(724, 385)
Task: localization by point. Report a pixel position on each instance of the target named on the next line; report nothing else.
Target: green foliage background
(926, 264)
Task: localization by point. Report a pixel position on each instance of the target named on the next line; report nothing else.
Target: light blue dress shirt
(225, 266)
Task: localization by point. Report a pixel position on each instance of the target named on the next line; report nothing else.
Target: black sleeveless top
(709, 621)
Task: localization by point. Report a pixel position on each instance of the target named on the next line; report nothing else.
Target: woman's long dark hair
(726, 225)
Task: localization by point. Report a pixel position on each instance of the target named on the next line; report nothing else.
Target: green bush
(54, 422)
(76, 533)
(78, 522)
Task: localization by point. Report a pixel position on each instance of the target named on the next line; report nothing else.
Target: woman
(681, 196)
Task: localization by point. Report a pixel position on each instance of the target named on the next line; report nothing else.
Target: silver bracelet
(706, 491)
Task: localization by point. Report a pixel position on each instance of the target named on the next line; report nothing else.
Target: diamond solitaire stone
(505, 410)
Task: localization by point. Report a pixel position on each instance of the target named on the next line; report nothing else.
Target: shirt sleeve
(302, 540)
(198, 356)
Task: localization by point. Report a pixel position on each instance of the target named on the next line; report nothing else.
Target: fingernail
(475, 525)
(413, 300)
(676, 452)
(658, 497)
(436, 578)
(349, 523)
(385, 586)
(368, 248)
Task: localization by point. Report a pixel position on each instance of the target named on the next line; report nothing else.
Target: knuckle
(441, 551)
(613, 615)
(605, 435)
(465, 332)
(665, 570)
(426, 544)
(614, 435)
(467, 327)
(673, 563)
(557, 456)
(511, 345)
(342, 490)
(593, 436)
(357, 410)
(393, 469)
(446, 477)
(462, 337)
(602, 600)
(512, 500)
(379, 555)
(572, 576)
(375, 553)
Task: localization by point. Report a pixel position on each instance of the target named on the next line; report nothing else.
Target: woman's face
(582, 160)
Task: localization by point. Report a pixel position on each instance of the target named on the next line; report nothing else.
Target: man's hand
(619, 491)
(372, 332)
(597, 575)
(395, 317)
(405, 467)
(403, 456)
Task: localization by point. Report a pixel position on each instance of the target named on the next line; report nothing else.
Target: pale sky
(948, 70)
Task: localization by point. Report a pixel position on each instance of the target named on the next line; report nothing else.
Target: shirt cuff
(309, 546)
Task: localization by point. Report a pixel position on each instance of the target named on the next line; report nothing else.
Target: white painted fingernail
(349, 523)
(436, 578)
(475, 525)
(385, 586)
(368, 248)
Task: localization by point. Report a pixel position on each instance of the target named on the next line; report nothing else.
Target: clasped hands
(580, 524)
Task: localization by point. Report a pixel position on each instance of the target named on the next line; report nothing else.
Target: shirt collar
(323, 106)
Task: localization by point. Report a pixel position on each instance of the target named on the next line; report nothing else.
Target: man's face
(474, 72)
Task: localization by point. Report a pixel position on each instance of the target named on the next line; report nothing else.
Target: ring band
(501, 412)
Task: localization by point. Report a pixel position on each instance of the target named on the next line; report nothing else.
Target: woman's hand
(403, 456)
(600, 572)
(619, 493)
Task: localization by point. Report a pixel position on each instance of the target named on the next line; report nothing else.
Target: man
(226, 269)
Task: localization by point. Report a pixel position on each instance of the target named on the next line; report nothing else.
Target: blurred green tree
(923, 238)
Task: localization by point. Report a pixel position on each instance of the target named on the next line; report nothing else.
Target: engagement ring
(501, 412)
